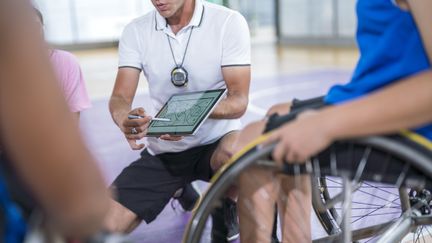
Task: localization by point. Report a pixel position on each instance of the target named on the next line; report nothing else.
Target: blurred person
(390, 90)
(69, 75)
(211, 45)
(39, 139)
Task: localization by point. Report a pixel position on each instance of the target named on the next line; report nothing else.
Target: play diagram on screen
(186, 112)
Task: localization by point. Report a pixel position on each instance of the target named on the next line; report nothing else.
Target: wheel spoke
(371, 212)
(376, 214)
(381, 188)
(370, 194)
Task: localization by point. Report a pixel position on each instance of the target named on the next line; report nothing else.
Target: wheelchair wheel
(383, 196)
(368, 190)
(382, 204)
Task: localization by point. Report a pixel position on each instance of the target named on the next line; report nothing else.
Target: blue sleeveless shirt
(390, 49)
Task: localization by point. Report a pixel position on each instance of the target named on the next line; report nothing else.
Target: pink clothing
(72, 83)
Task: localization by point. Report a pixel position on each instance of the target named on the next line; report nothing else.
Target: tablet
(186, 111)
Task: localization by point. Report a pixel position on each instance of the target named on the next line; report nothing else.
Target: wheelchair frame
(416, 173)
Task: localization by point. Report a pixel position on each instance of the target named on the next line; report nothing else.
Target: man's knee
(120, 219)
(248, 134)
(224, 150)
(235, 142)
(255, 178)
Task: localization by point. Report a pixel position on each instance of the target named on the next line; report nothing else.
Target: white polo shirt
(220, 37)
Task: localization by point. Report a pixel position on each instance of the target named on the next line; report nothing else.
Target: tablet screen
(186, 111)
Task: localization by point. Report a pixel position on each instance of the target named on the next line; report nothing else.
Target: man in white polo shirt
(210, 45)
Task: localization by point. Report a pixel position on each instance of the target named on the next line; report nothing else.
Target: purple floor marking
(113, 153)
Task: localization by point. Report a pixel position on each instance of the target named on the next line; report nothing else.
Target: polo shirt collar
(162, 24)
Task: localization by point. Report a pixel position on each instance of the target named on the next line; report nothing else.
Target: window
(317, 19)
(83, 21)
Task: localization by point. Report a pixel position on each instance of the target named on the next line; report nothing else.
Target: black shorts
(147, 185)
(297, 107)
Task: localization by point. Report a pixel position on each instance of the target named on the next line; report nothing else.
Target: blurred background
(287, 35)
(99, 22)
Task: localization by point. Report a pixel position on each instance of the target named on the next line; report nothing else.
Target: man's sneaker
(188, 197)
(225, 223)
(219, 229)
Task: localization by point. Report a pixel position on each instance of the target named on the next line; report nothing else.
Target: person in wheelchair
(390, 90)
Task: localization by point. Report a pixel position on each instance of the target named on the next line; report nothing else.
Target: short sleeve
(129, 51)
(74, 88)
(236, 49)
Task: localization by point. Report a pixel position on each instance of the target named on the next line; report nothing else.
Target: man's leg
(224, 150)
(120, 219)
(257, 193)
(142, 190)
(225, 220)
(254, 211)
(295, 208)
(187, 196)
(258, 190)
(299, 197)
(230, 143)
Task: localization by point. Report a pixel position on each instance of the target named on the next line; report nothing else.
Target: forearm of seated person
(403, 105)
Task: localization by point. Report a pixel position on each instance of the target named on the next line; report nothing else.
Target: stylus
(154, 118)
(161, 119)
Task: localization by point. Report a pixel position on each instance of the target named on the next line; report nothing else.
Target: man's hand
(135, 129)
(300, 139)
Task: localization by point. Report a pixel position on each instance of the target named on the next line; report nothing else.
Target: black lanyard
(179, 75)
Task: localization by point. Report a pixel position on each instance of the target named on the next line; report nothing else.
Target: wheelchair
(372, 189)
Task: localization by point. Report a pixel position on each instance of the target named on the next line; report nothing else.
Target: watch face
(179, 76)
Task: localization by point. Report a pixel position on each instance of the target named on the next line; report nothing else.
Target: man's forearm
(232, 107)
(237, 80)
(406, 104)
(119, 108)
